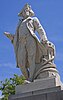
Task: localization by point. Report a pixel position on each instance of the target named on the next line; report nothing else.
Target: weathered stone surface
(50, 94)
(38, 85)
(40, 89)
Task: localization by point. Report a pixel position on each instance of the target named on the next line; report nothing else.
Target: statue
(34, 56)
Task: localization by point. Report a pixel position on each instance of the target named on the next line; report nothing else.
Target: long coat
(33, 25)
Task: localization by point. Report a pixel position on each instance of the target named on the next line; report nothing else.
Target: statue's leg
(31, 49)
(22, 59)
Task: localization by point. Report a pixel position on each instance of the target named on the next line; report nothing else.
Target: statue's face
(26, 13)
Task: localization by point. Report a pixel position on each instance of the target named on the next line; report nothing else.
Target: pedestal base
(42, 89)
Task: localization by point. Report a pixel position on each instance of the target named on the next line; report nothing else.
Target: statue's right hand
(10, 36)
(6, 33)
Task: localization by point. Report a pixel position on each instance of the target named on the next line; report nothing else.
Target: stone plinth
(51, 94)
(43, 89)
(38, 85)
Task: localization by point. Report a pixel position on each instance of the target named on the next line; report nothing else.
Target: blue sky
(50, 14)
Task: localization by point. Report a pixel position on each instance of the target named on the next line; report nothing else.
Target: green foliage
(8, 85)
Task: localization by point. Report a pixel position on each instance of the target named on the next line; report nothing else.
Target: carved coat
(33, 25)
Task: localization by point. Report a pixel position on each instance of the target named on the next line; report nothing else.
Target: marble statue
(34, 56)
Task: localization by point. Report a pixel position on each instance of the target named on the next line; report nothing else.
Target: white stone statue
(34, 56)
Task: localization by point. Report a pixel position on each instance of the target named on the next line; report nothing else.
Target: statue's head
(26, 11)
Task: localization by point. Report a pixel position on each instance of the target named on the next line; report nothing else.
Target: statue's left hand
(43, 42)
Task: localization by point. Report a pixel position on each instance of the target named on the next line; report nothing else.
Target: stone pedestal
(41, 89)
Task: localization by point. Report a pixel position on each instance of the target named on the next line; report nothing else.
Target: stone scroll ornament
(34, 56)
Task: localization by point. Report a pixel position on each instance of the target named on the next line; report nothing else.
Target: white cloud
(11, 65)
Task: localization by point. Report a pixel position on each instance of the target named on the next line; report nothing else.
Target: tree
(8, 85)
